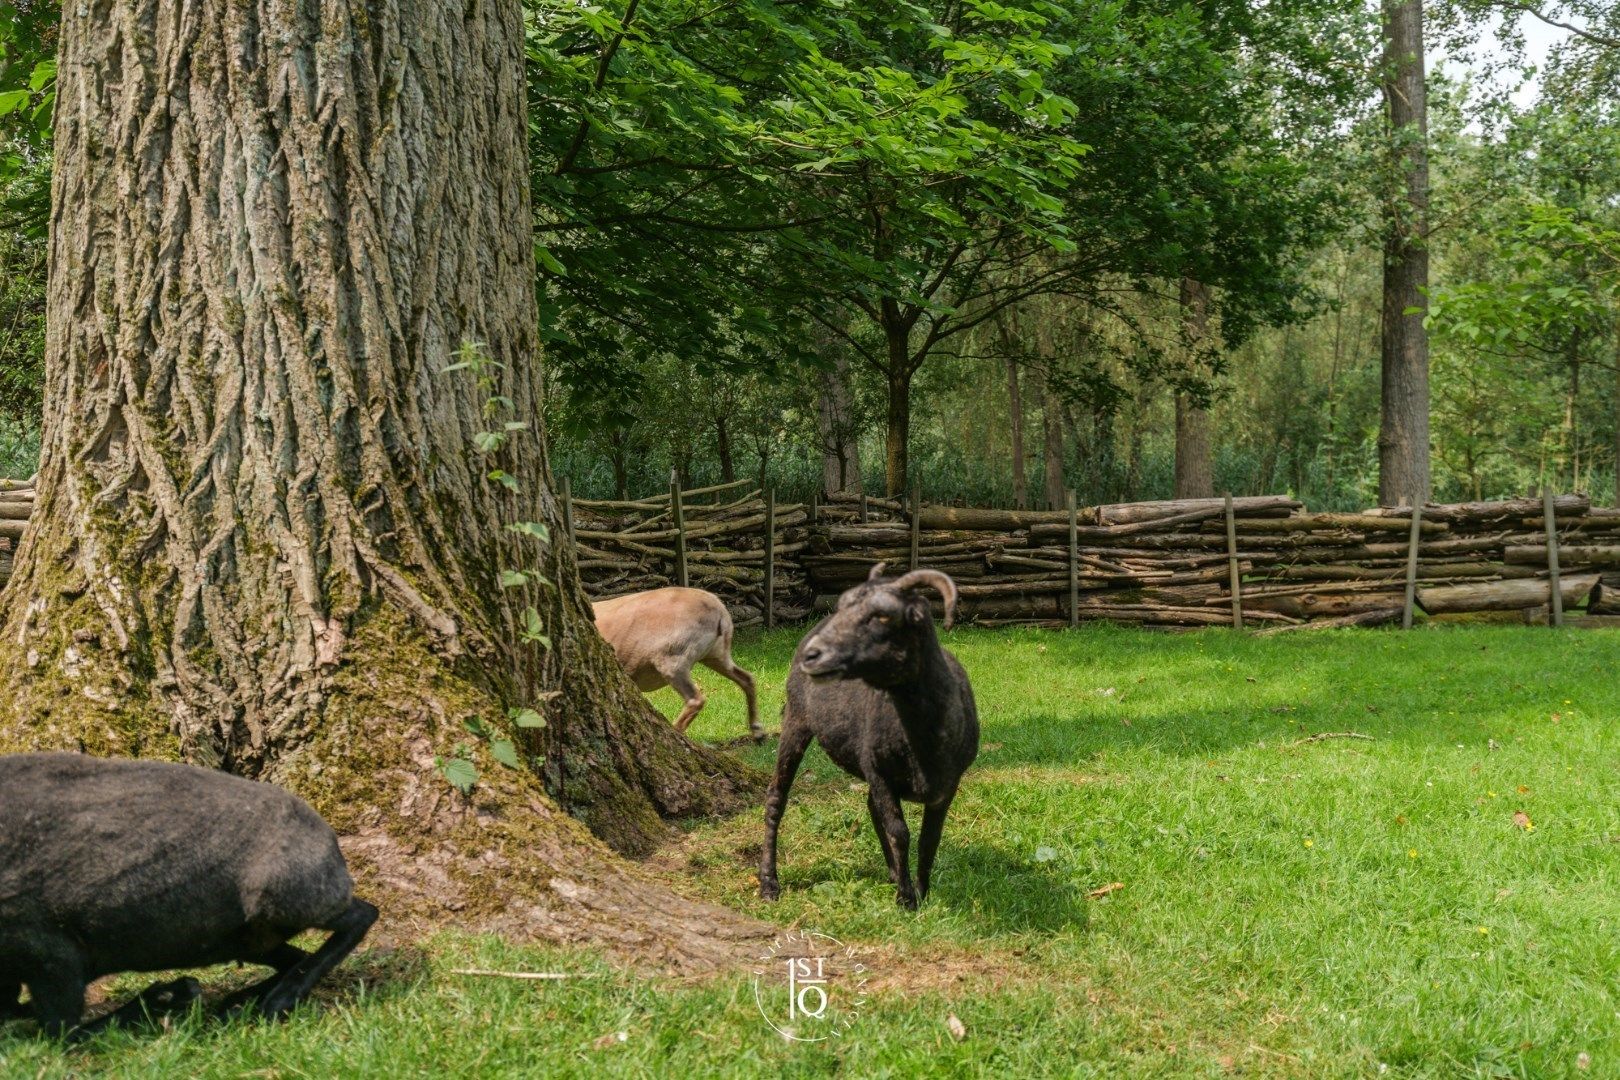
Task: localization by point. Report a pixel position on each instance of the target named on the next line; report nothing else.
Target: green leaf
(527, 718)
(503, 751)
(513, 579)
(549, 261)
(460, 773)
(531, 528)
(12, 100)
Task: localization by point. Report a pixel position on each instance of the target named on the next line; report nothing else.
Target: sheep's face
(873, 635)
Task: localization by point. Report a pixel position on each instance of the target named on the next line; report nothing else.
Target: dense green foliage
(1287, 909)
(732, 201)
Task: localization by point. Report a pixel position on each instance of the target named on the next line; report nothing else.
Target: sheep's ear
(918, 611)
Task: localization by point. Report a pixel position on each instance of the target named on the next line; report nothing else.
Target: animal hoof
(758, 735)
(909, 902)
(771, 891)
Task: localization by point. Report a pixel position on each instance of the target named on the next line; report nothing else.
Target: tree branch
(1606, 40)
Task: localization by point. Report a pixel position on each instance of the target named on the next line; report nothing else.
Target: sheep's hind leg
(283, 958)
(727, 667)
(893, 827)
(789, 752)
(294, 984)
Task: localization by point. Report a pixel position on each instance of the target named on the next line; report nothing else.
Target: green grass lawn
(1288, 908)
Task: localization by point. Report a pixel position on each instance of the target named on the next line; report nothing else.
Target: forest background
(999, 251)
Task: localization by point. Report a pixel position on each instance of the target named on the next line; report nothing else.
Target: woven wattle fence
(1167, 564)
(1171, 563)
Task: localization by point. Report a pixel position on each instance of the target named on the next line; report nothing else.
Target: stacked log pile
(632, 546)
(1168, 563)
(1152, 563)
(16, 505)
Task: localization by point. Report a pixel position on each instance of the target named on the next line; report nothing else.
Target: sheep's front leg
(789, 752)
(681, 680)
(891, 825)
(159, 999)
(11, 1006)
(58, 1000)
(933, 825)
(883, 837)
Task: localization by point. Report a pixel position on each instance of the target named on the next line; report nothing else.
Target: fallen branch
(532, 976)
(1326, 735)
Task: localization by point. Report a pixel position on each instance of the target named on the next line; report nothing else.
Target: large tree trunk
(840, 433)
(1617, 422)
(1403, 438)
(264, 541)
(1195, 470)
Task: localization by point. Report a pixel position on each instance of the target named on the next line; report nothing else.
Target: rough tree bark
(263, 541)
(1195, 470)
(1403, 438)
(840, 433)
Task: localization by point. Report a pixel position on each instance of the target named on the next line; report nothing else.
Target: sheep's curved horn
(932, 579)
(877, 571)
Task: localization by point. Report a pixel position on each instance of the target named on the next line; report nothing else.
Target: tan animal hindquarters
(659, 635)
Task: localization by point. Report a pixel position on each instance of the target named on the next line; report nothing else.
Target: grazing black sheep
(891, 707)
(109, 866)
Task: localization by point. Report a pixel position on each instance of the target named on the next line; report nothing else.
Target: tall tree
(1195, 467)
(1403, 438)
(839, 428)
(264, 540)
(1015, 414)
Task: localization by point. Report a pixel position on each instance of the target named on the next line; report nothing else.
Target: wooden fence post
(864, 515)
(1232, 564)
(568, 512)
(680, 527)
(916, 523)
(1554, 585)
(1409, 610)
(1074, 559)
(815, 506)
(770, 557)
